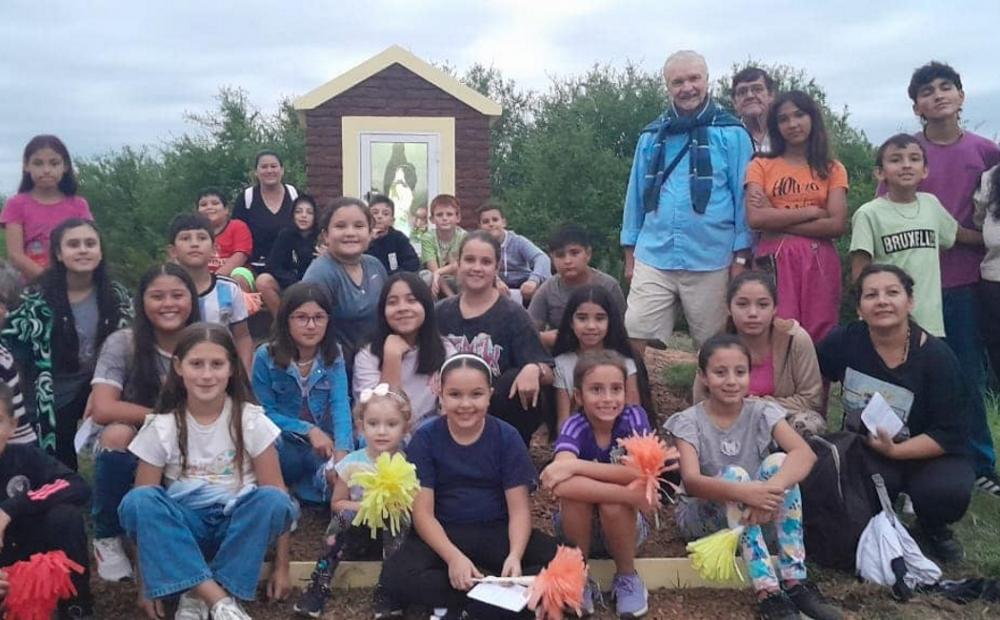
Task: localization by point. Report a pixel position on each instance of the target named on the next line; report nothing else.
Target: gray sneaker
(590, 591)
(630, 596)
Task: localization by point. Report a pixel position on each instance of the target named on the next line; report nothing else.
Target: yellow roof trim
(390, 56)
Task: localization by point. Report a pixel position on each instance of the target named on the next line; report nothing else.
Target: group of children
(362, 362)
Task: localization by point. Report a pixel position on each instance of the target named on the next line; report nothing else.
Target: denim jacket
(279, 394)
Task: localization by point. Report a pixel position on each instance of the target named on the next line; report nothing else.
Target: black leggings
(419, 576)
(67, 418)
(941, 487)
(509, 410)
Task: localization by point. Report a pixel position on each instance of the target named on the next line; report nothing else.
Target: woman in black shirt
(887, 352)
(265, 207)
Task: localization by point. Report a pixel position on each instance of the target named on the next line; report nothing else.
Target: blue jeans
(114, 475)
(174, 540)
(961, 324)
(302, 468)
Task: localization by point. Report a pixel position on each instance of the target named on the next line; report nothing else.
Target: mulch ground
(116, 601)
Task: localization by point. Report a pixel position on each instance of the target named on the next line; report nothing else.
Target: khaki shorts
(656, 294)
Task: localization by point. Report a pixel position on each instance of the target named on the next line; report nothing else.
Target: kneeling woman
(300, 380)
(205, 533)
(888, 353)
(473, 510)
(730, 478)
(482, 321)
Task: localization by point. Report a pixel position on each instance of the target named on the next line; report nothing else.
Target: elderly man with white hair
(684, 228)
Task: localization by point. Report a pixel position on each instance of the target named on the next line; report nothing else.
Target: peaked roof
(390, 56)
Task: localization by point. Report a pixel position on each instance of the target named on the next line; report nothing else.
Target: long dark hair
(817, 146)
(67, 184)
(282, 347)
(760, 277)
(615, 340)
(173, 398)
(52, 285)
(144, 376)
(430, 349)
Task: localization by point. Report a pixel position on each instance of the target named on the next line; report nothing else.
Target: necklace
(306, 363)
(901, 214)
(906, 346)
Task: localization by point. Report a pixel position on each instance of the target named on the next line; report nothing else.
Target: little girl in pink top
(45, 198)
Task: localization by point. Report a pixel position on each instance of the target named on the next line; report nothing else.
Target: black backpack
(837, 499)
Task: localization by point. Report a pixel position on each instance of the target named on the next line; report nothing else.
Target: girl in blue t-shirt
(593, 489)
(473, 508)
(590, 322)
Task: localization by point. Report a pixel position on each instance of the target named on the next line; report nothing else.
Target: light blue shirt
(674, 236)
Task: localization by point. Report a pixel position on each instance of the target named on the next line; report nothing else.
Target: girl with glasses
(300, 379)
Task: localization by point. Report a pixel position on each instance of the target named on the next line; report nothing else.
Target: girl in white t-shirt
(590, 322)
(208, 478)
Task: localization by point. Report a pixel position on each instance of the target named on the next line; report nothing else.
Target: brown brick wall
(397, 91)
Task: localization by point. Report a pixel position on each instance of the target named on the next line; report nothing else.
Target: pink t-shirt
(955, 170)
(762, 378)
(38, 220)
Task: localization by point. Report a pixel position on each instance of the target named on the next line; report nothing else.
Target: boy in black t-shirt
(390, 246)
(41, 504)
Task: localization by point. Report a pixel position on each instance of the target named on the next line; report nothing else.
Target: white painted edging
(658, 573)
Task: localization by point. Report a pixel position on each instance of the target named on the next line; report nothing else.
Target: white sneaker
(191, 607)
(112, 562)
(228, 609)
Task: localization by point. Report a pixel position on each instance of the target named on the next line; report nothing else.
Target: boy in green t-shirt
(439, 247)
(907, 228)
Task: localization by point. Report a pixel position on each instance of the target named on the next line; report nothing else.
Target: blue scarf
(670, 123)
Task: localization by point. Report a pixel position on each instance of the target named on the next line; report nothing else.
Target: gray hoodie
(521, 260)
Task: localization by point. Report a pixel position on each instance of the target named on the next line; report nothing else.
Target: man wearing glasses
(753, 92)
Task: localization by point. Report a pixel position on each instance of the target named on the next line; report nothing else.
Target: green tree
(135, 192)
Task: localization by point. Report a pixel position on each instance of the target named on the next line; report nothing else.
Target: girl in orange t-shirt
(796, 197)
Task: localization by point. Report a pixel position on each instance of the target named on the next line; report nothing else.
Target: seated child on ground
(473, 510)
(220, 299)
(571, 253)
(598, 510)
(389, 245)
(205, 533)
(523, 267)
(439, 249)
(293, 251)
(721, 440)
(382, 416)
(41, 509)
(233, 241)
(590, 323)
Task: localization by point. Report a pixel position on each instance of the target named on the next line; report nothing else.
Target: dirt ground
(116, 601)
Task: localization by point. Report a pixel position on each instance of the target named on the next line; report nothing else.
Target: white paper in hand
(511, 597)
(878, 414)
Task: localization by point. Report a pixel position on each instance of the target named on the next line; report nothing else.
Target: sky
(106, 74)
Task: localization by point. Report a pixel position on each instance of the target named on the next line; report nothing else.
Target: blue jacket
(279, 394)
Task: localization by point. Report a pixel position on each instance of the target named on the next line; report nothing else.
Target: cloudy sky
(104, 74)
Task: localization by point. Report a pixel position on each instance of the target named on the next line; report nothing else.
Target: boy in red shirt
(233, 241)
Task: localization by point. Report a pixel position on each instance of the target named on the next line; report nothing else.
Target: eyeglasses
(744, 91)
(303, 320)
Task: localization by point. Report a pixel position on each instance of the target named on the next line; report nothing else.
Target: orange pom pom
(560, 584)
(253, 302)
(649, 455)
(38, 584)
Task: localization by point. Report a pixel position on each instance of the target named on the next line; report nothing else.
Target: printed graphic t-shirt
(793, 187)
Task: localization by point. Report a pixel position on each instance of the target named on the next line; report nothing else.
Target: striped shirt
(24, 431)
(223, 302)
(577, 435)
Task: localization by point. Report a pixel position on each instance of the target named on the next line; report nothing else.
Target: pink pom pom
(560, 584)
(649, 455)
(38, 584)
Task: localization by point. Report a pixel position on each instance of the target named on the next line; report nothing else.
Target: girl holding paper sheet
(887, 352)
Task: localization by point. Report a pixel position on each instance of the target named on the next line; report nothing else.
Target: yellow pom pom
(714, 556)
(389, 491)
